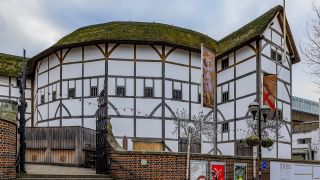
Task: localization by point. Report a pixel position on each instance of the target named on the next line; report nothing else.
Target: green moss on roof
(10, 65)
(252, 30)
(138, 31)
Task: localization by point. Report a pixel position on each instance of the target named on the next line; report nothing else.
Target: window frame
(177, 94)
(225, 127)
(94, 91)
(73, 90)
(42, 99)
(146, 92)
(225, 97)
(54, 95)
(118, 93)
(225, 63)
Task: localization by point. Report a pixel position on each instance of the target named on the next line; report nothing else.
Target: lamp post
(263, 111)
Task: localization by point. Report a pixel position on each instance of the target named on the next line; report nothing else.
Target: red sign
(217, 171)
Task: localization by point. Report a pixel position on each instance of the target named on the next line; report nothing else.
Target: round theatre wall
(8, 139)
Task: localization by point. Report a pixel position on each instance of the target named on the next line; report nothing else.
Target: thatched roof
(10, 65)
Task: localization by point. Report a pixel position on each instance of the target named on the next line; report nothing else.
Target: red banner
(270, 90)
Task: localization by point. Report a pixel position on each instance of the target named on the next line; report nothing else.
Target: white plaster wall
(146, 52)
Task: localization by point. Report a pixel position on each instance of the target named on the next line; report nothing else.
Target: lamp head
(253, 108)
(265, 110)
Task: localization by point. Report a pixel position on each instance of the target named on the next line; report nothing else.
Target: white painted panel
(150, 69)
(226, 148)
(231, 90)
(149, 128)
(195, 59)
(194, 93)
(4, 80)
(270, 152)
(242, 105)
(206, 148)
(284, 74)
(71, 122)
(227, 110)
(244, 53)
(121, 68)
(71, 71)
(129, 85)
(168, 89)
(86, 88)
(196, 108)
(4, 91)
(123, 51)
(95, 68)
(54, 74)
(146, 106)
(92, 52)
(276, 38)
(89, 123)
(225, 75)
(43, 65)
(268, 66)
(42, 79)
(195, 75)
(53, 61)
(43, 111)
(170, 127)
(43, 124)
(111, 86)
(219, 89)
(90, 106)
(124, 105)
(286, 112)
(219, 64)
(267, 34)
(283, 93)
(158, 88)
(139, 87)
(122, 127)
(147, 52)
(246, 67)
(173, 145)
(241, 130)
(74, 55)
(54, 123)
(179, 56)
(231, 58)
(177, 72)
(284, 151)
(73, 106)
(53, 106)
(175, 106)
(246, 85)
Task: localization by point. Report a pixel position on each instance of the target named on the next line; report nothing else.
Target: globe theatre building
(153, 69)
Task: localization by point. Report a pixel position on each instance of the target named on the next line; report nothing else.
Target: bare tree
(199, 126)
(271, 127)
(311, 48)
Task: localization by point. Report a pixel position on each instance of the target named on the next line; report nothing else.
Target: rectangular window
(71, 93)
(148, 92)
(121, 91)
(94, 91)
(225, 127)
(42, 99)
(304, 141)
(276, 56)
(225, 63)
(225, 96)
(177, 94)
(54, 95)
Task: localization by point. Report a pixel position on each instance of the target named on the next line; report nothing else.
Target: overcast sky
(37, 24)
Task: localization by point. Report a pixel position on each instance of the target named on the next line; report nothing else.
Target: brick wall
(8, 148)
(168, 165)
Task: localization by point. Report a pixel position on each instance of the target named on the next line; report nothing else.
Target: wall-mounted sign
(264, 165)
(240, 171)
(144, 162)
(198, 170)
(217, 170)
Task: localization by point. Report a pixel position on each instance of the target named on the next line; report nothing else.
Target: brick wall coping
(8, 110)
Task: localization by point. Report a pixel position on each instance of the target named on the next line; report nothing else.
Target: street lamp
(263, 111)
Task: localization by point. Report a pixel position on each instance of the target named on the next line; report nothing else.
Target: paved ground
(51, 169)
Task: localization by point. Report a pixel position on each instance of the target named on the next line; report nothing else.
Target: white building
(306, 134)
(153, 69)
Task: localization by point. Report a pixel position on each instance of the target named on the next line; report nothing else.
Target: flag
(270, 90)
(208, 77)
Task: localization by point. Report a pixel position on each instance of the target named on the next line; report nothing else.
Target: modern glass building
(304, 105)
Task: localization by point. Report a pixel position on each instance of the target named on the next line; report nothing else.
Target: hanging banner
(217, 170)
(198, 170)
(208, 77)
(240, 171)
(270, 90)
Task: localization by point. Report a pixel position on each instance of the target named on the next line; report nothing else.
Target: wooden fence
(60, 145)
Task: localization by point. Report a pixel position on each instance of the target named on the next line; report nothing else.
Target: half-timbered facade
(151, 70)
(10, 67)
